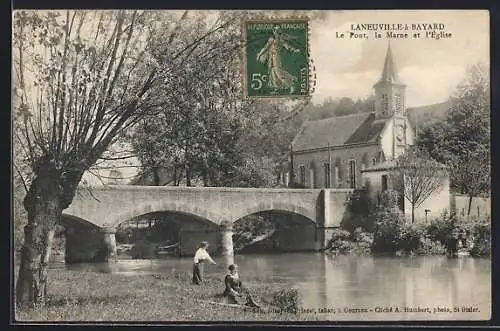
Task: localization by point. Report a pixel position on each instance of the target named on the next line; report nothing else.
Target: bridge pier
(227, 243)
(109, 250)
(90, 245)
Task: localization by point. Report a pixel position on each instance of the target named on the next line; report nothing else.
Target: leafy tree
(463, 141)
(209, 133)
(81, 79)
(417, 176)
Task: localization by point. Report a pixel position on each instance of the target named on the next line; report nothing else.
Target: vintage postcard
(234, 166)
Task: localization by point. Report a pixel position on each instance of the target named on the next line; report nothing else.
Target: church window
(385, 103)
(336, 176)
(327, 175)
(302, 177)
(397, 102)
(352, 173)
(384, 183)
(374, 161)
(312, 175)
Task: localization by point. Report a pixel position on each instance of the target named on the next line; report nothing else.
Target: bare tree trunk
(470, 204)
(188, 176)
(49, 193)
(39, 234)
(412, 213)
(205, 177)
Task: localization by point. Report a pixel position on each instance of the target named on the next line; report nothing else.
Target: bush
(287, 300)
(360, 206)
(430, 247)
(448, 231)
(482, 240)
(357, 243)
(410, 238)
(386, 238)
(339, 242)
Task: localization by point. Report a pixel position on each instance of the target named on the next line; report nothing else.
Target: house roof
(337, 131)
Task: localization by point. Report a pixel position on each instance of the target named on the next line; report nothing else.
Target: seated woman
(234, 288)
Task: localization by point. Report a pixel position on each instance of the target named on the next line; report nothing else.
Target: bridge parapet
(108, 206)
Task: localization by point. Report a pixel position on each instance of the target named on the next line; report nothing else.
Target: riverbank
(89, 296)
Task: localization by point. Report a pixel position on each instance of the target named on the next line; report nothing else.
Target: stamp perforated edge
(311, 68)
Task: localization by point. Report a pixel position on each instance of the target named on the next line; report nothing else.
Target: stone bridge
(102, 209)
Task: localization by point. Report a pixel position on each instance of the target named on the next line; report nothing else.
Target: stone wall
(362, 154)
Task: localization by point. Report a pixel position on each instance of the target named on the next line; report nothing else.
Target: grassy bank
(86, 296)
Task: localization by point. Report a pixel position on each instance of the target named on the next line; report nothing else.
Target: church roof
(337, 131)
(389, 71)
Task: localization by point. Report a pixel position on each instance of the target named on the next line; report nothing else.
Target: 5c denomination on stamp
(276, 57)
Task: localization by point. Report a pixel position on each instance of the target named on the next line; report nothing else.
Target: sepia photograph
(250, 165)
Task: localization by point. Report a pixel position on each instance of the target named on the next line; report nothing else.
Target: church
(332, 152)
(350, 151)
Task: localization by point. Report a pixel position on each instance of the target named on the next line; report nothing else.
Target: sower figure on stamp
(200, 257)
(278, 78)
(234, 288)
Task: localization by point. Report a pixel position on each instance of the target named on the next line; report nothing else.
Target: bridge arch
(279, 207)
(165, 206)
(72, 221)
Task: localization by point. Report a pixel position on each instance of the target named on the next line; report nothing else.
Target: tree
(417, 176)
(208, 133)
(82, 79)
(463, 141)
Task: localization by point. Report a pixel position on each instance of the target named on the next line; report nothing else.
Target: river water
(352, 287)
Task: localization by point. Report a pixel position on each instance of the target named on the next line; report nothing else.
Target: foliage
(463, 140)
(482, 239)
(430, 247)
(339, 241)
(417, 176)
(387, 235)
(287, 300)
(337, 107)
(78, 86)
(447, 230)
(360, 205)
(250, 227)
(343, 242)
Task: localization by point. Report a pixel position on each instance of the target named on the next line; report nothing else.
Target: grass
(88, 296)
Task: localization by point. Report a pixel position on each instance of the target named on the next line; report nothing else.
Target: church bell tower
(390, 102)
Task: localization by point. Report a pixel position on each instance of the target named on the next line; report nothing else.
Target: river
(356, 288)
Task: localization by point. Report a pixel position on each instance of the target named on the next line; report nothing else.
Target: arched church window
(397, 102)
(364, 161)
(337, 172)
(374, 161)
(385, 103)
(312, 174)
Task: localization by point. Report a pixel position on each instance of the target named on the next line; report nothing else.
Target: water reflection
(353, 282)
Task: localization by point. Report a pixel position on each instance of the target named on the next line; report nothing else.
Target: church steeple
(389, 90)
(389, 71)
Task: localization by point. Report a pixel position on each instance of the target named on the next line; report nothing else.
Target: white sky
(431, 69)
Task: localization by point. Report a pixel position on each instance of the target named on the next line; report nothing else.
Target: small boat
(166, 249)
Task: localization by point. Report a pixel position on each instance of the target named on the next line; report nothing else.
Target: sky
(430, 68)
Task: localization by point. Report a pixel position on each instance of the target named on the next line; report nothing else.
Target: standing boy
(200, 257)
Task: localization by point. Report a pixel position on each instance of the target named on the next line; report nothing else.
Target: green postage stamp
(276, 57)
